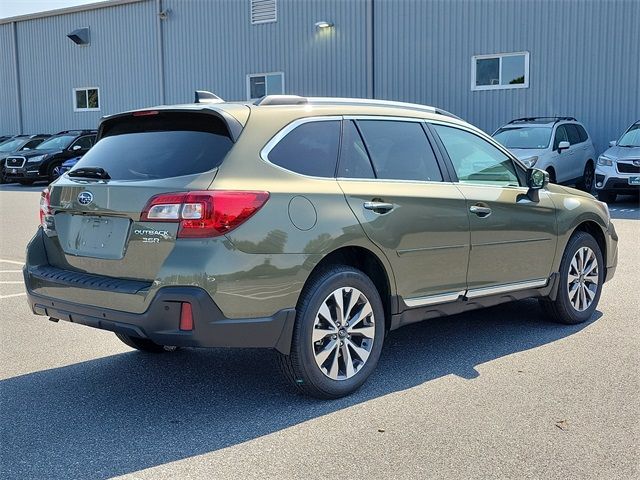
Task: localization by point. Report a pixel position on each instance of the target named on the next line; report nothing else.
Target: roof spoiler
(202, 96)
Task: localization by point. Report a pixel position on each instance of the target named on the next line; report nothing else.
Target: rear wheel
(607, 196)
(581, 278)
(144, 344)
(588, 175)
(338, 334)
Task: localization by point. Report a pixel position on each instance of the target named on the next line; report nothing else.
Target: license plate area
(635, 180)
(93, 236)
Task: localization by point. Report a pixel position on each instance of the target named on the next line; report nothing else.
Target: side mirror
(537, 179)
(563, 146)
(613, 143)
(75, 148)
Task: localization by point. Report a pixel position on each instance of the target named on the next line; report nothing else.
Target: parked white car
(559, 145)
(618, 169)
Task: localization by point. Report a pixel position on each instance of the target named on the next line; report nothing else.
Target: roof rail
(297, 100)
(533, 119)
(281, 100)
(202, 96)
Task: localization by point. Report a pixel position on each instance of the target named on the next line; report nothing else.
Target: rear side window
(573, 134)
(583, 133)
(400, 150)
(309, 149)
(158, 146)
(354, 160)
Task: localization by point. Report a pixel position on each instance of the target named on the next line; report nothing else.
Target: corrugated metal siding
(9, 124)
(584, 58)
(212, 45)
(121, 61)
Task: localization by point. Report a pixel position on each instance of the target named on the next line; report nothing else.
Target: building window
(261, 84)
(263, 11)
(86, 99)
(501, 71)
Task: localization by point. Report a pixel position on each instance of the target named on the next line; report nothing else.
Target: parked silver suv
(559, 145)
(618, 170)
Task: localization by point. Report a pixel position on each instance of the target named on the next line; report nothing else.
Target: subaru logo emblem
(636, 163)
(85, 198)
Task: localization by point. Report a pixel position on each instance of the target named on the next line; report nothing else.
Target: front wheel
(54, 172)
(607, 196)
(338, 334)
(586, 184)
(581, 279)
(144, 344)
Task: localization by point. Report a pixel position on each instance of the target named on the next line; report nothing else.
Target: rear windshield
(159, 146)
(524, 137)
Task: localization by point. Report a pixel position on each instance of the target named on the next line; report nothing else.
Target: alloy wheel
(583, 279)
(343, 333)
(587, 178)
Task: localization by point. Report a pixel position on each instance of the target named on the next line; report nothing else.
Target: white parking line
(11, 262)
(10, 271)
(3, 282)
(12, 295)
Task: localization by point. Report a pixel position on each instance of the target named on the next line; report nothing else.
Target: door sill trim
(507, 287)
(433, 299)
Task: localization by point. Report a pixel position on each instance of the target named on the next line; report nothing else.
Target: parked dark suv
(308, 225)
(18, 145)
(44, 161)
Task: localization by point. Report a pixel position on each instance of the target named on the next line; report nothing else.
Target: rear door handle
(378, 207)
(480, 210)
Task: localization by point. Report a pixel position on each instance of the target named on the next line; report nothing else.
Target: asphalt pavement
(498, 393)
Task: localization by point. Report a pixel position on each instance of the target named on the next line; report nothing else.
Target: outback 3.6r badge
(85, 198)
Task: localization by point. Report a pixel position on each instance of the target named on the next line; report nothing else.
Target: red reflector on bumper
(186, 317)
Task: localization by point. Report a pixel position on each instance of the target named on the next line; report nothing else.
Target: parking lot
(497, 393)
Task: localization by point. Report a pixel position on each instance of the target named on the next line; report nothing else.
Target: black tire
(561, 309)
(300, 366)
(53, 172)
(25, 183)
(552, 175)
(588, 176)
(607, 196)
(144, 344)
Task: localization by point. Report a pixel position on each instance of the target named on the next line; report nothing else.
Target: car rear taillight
(45, 207)
(203, 214)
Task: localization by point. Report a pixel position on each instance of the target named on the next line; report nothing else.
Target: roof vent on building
(80, 36)
(263, 11)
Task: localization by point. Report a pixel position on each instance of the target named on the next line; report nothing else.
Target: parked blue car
(69, 164)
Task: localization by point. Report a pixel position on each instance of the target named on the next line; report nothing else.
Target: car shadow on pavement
(131, 411)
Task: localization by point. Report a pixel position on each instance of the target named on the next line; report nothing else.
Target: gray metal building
(488, 61)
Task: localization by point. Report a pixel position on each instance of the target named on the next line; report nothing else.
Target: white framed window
(86, 99)
(261, 84)
(263, 11)
(500, 71)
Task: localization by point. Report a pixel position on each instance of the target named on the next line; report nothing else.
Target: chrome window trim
(284, 131)
(507, 287)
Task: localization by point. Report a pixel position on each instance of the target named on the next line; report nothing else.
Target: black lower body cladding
(160, 322)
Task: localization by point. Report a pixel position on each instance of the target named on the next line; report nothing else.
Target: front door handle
(480, 211)
(378, 207)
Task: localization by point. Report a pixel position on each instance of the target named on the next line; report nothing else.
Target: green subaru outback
(312, 226)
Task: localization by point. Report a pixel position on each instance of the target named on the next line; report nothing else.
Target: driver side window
(561, 136)
(475, 160)
(83, 142)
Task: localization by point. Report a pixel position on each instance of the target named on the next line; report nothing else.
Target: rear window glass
(159, 146)
(309, 149)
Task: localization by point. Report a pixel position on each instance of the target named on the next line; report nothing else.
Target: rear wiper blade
(89, 172)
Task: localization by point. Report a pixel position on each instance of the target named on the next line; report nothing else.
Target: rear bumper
(160, 322)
